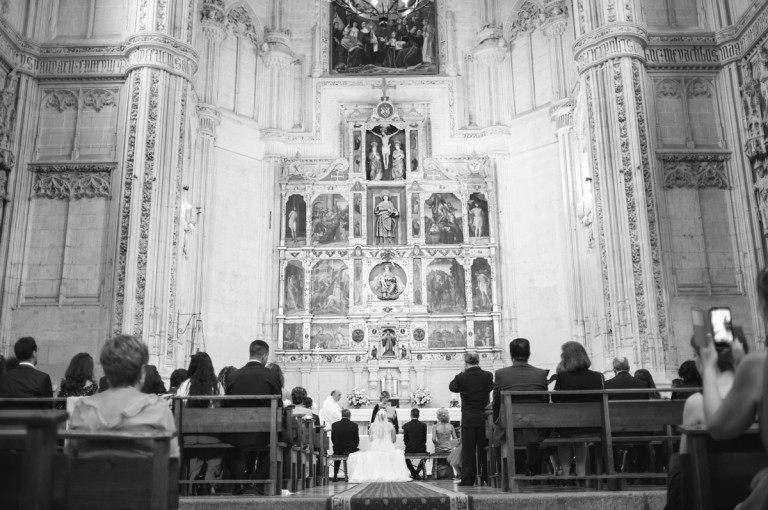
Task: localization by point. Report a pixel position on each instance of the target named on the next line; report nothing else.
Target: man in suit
(25, 381)
(153, 383)
(346, 438)
(415, 439)
(475, 385)
(253, 379)
(521, 377)
(623, 380)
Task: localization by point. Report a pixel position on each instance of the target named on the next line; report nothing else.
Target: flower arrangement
(421, 397)
(358, 397)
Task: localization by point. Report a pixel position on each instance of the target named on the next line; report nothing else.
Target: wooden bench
(124, 479)
(409, 456)
(620, 422)
(232, 420)
(716, 475)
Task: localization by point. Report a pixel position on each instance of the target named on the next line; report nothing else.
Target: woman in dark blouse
(78, 379)
(573, 374)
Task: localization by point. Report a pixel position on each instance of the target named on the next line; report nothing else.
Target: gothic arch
(525, 16)
(243, 22)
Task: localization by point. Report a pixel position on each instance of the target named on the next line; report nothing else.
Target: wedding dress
(381, 462)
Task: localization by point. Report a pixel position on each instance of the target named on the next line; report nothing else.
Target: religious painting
(444, 335)
(414, 151)
(387, 281)
(443, 219)
(292, 336)
(417, 281)
(484, 334)
(383, 37)
(477, 214)
(481, 286)
(330, 288)
(296, 221)
(357, 147)
(294, 288)
(386, 217)
(445, 287)
(330, 220)
(385, 145)
(329, 336)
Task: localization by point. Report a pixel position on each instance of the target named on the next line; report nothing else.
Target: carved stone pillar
(554, 28)
(610, 66)
(161, 65)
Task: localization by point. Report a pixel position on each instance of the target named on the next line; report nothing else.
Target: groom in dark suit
(25, 381)
(415, 439)
(475, 385)
(345, 437)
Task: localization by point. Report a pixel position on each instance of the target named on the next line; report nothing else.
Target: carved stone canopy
(695, 171)
(72, 182)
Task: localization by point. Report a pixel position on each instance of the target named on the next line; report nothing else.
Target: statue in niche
(293, 219)
(398, 163)
(374, 353)
(387, 285)
(477, 219)
(388, 343)
(403, 352)
(384, 134)
(374, 163)
(386, 223)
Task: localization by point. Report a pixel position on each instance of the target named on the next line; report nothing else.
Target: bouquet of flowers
(421, 397)
(357, 397)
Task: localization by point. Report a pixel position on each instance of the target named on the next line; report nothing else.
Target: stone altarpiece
(387, 256)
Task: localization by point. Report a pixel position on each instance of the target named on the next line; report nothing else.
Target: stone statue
(374, 352)
(387, 285)
(293, 218)
(477, 219)
(384, 135)
(386, 223)
(398, 163)
(374, 163)
(403, 352)
(8, 107)
(389, 343)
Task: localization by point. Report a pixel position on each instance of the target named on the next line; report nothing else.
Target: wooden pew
(125, 480)
(717, 474)
(229, 420)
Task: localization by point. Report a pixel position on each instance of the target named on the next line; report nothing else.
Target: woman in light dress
(381, 462)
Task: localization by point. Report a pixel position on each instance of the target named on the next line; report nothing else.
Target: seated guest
(122, 407)
(573, 373)
(252, 379)
(178, 376)
(308, 403)
(78, 379)
(202, 381)
(693, 411)
(345, 437)
(689, 378)
(645, 376)
(153, 383)
(520, 377)
(444, 438)
(415, 439)
(25, 381)
(224, 375)
(623, 380)
(385, 404)
(11, 362)
(298, 394)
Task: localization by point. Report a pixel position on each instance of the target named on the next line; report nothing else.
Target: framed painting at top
(383, 37)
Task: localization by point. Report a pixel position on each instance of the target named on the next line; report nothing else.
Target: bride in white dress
(381, 462)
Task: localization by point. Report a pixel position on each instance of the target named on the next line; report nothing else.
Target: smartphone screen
(720, 318)
(699, 327)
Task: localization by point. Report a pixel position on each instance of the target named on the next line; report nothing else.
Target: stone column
(610, 63)
(161, 64)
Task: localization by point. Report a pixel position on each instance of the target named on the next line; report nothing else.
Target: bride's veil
(380, 427)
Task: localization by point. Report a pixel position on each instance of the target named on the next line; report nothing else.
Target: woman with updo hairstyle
(443, 433)
(122, 407)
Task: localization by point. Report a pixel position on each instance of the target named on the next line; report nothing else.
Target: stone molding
(161, 52)
(210, 118)
(561, 112)
(72, 181)
(695, 171)
(614, 41)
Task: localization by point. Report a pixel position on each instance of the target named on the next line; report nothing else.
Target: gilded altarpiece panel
(388, 256)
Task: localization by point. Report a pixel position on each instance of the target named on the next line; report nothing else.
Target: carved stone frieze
(161, 52)
(695, 171)
(240, 23)
(8, 98)
(526, 19)
(312, 169)
(561, 112)
(60, 100)
(614, 41)
(72, 182)
(98, 99)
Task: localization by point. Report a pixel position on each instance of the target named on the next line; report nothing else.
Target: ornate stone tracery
(72, 182)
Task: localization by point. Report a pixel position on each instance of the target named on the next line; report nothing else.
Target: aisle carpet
(398, 496)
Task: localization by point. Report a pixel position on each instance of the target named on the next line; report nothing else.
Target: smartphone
(699, 327)
(720, 319)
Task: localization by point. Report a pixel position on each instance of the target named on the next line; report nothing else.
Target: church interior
(376, 187)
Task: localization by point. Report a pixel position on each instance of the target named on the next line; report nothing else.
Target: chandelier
(377, 9)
